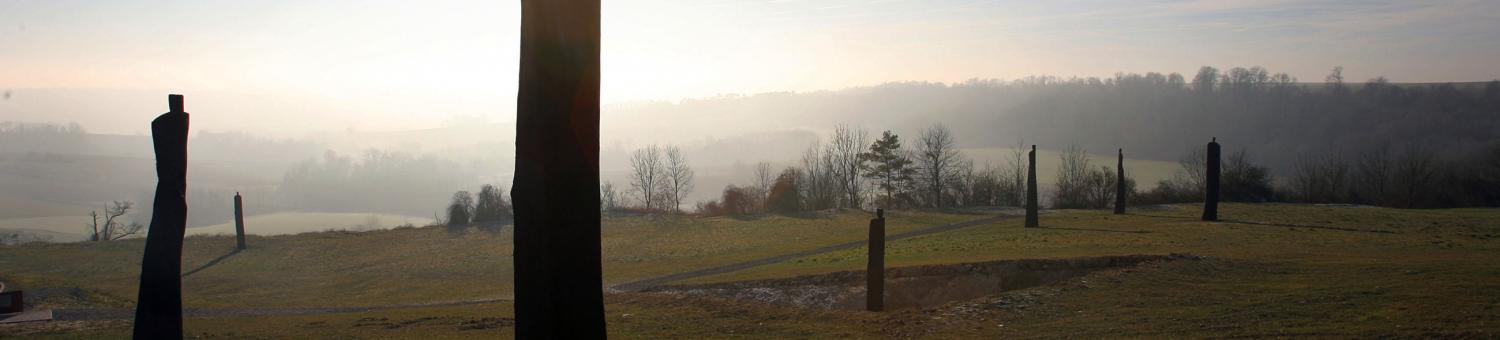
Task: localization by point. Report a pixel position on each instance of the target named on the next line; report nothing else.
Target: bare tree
(989, 186)
(1083, 186)
(937, 161)
(1013, 183)
(764, 177)
(1073, 180)
(1194, 168)
(108, 228)
(1372, 178)
(819, 179)
(679, 178)
(1321, 178)
(962, 187)
(845, 149)
(1413, 178)
(609, 199)
(647, 175)
(1335, 80)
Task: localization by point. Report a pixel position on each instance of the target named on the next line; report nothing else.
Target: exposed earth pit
(909, 287)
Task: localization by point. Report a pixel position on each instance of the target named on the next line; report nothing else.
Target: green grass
(1249, 231)
(420, 265)
(1268, 270)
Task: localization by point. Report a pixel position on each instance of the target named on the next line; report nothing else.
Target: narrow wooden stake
(158, 309)
(1032, 221)
(1211, 189)
(875, 271)
(239, 222)
(1120, 184)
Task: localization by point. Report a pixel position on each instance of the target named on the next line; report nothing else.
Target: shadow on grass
(1288, 225)
(211, 263)
(1100, 230)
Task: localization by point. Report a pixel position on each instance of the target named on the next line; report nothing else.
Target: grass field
(409, 265)
(1267, 270)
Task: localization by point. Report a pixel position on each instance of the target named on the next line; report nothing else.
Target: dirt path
(647, 283)
(92, 314)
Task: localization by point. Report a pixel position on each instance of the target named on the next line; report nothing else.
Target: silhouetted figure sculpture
(1031, 204)
(558, 279)
(239, 222)
(875, 269)
(1120, 184)
(158, 308)
(1211, 187)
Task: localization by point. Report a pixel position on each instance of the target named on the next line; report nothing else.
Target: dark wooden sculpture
(1211, 188)
(875, 268)
(1032, 220)
(239, 222)
(158, 309)
(558, 279)
(1120, 193)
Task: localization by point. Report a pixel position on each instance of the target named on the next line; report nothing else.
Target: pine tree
(888, 165)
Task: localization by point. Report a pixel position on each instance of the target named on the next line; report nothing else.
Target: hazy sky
(427, 61)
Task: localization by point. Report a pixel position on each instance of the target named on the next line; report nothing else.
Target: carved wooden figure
(558, 278)
(158, 309)
(1211, 188)
(1032, 220)
(239, 222)
(875, 269)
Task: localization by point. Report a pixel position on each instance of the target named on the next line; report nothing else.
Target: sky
(408, 64)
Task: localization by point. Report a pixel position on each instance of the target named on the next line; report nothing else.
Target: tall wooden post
(158, 309)
(558, 280)
(1120, 184)
(875, 269)
(239, 222)
(1211, 189)
(1032, 221)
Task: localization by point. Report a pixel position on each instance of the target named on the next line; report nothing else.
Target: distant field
(300, 222)
(1145, 172)
(1267, 270)
(58, 228)
(72, 228)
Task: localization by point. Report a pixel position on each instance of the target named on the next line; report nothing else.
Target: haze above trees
(1282, 122)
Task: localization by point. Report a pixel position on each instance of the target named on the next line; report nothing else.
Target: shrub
(785, 195)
